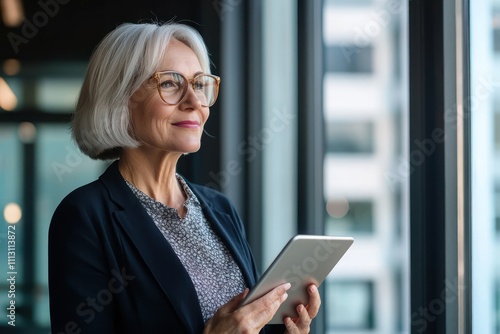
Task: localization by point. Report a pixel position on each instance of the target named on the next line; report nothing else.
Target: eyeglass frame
(156, 77)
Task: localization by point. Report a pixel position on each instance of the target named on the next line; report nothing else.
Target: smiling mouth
(187, 124)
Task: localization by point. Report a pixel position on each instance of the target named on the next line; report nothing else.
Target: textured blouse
(215, 275)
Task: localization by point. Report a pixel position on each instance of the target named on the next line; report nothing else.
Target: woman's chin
(191, 149)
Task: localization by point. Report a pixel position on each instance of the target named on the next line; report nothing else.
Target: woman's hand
(302, 323)
(251, 318)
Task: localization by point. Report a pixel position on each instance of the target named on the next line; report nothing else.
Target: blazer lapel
(155, 251)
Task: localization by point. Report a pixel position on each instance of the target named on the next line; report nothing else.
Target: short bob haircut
(121, 63)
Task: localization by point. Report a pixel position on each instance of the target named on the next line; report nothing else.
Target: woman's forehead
(180, 57)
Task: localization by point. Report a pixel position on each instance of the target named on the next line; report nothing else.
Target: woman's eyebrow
(194, 75)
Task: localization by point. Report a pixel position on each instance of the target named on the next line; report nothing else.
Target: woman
(142, 250)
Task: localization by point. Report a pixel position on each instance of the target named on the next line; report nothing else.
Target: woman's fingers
(263, 309)
(225, 320)
(251, 318)
(302, 323)
(314, 301)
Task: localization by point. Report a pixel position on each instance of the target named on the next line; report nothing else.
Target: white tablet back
(305, 260)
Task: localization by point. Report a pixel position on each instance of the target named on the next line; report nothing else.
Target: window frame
(440, 182)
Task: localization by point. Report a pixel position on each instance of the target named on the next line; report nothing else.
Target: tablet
(305, 260)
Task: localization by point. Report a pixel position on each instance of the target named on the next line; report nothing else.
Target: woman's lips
(187, 124)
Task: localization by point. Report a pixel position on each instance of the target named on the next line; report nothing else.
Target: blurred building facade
(365, 110)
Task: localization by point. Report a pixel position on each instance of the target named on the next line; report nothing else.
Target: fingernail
(287, 286)
(284, 297)
(299, 308)
(313, 288)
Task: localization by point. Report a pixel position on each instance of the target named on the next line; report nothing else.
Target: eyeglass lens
(173, 88)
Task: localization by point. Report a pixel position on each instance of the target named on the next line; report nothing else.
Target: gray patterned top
(215, 275)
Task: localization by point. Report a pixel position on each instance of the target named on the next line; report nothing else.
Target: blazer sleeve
(79, 281)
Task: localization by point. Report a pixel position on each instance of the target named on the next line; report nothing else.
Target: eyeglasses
(173, 87)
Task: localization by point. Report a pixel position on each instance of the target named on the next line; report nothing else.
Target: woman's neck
(154, 175)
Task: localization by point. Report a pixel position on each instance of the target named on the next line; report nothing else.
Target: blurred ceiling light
(12, 12)
(12, 213)
(11, 66)
(337, 208)
(27, 132)
(8, 101)
(496, 21)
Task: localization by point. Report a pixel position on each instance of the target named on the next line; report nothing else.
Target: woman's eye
(198, 85)
(169, 84)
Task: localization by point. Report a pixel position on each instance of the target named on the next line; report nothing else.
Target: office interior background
(377, 119)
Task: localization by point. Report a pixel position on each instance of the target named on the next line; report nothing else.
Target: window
(350, 137)
(352, 308)
(349, 2)
(349, 217)
(497, 210)
(497, 306)
(485, 164)
(39, 165)
(349, 58)
(365, 139)
(60, 168)
(497, 130)
(12, 208)
(278, 130)
(496, 30)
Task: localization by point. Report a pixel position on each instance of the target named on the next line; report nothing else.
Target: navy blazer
(112, 271)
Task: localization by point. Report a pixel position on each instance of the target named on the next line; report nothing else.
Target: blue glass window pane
(11, 170)
(61, 168)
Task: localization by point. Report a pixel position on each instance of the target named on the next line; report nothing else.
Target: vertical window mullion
(310, 132)
(427, 179)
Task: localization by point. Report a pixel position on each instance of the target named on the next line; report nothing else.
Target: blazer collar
(150, 243)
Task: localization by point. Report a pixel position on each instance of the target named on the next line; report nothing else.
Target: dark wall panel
(69, 29)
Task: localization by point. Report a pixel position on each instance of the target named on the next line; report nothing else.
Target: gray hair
(122, 62)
